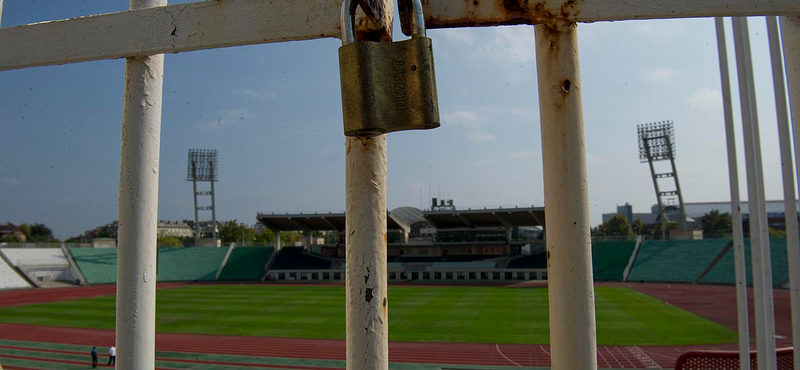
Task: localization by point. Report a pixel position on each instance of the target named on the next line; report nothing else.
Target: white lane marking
(504, 356)
(643, 357)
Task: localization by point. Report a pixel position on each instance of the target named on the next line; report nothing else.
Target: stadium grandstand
(439, 244)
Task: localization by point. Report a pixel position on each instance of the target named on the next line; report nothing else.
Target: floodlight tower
(202, 166)
(657, 143)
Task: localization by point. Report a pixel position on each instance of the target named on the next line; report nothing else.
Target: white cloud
(705, 101)
(510, 49)
(464, 36)
(483, 164)
(227, 117)
(526, 156)
(658, 74)
(262, 95)
(481, 136)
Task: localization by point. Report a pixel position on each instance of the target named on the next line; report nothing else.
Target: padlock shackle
(417, 19)
(347, 21)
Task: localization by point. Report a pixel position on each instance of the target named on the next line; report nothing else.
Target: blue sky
(274, 113)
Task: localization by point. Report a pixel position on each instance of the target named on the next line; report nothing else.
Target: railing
(396, 274)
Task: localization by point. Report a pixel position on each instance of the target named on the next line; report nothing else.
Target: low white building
(176, 229)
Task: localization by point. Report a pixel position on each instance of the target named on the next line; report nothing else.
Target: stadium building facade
(415, 235)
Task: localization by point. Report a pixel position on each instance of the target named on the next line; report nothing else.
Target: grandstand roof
(312, 221)
(401, 219)
(499, 217)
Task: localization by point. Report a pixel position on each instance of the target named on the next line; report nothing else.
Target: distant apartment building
(696, 210)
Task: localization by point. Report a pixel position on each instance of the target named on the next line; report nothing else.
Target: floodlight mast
(202, 166)
(656, 143)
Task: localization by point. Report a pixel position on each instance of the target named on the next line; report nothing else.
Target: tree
(10, 239)
(37, 233)
(289, 237)
(74, 239)
(232, 232)
(169, 241)
(617, 225)
(265, 237)
(637, 226)
(716, 223)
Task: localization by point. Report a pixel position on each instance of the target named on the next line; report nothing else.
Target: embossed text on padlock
(387, 86)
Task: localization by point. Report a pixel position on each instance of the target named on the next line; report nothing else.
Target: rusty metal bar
(366, 275)
(475, 13)
(573, 338)
(176, 28)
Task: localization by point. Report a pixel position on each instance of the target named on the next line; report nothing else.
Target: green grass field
(440, 314)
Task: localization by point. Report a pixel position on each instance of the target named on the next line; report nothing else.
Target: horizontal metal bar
(203, 193)
(461, 13)
(215, 24)
(171, 29)
(664, 175)
(207, 208)
(667, 193)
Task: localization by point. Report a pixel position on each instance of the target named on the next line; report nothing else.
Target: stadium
(468, 290)
(520, 287)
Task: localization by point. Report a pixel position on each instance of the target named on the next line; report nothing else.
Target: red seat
(728, 360)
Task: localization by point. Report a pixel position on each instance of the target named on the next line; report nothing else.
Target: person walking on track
(94, 357)
(112, 356)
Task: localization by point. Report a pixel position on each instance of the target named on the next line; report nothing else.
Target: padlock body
(388, 86)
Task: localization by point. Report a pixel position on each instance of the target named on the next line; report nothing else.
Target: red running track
(712, 302)
(20, 297)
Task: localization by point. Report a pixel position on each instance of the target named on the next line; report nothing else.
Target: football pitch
(416, 313)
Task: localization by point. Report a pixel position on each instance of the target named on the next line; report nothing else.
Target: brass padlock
(387, 86)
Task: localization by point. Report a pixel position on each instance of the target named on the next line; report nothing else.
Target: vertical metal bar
(572, 315)
(1, 13)
(213, 203)
(367, 295)
(790, 33)
(138, 208)
(196, 216)
(736, 212)
(759, 232)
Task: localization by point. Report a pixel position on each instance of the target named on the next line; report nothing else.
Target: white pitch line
(504, 356)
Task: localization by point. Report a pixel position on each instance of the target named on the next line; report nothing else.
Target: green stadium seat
(609, 259)
(98, 265)
(724, 273)
(675, 260)
(189, 263)
(246, 263)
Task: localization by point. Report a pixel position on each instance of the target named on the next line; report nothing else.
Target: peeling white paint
(573, 340)
(171, 29)
(138, 209)
(366, 277)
